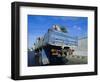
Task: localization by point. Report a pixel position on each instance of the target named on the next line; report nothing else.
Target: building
(82, 48)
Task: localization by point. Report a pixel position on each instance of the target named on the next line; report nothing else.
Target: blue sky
(39, 24)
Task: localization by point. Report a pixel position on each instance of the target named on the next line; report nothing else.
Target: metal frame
(15, 41)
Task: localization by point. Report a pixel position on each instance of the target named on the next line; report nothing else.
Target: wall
(82, 43)
(82, 47)
(5, 40)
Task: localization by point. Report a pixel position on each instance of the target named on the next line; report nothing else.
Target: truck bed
(57, 38)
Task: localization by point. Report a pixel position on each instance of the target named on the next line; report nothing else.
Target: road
(33, 60)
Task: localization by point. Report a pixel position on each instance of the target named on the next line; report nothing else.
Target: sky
(39, 24)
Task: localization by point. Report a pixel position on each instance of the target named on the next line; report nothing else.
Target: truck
(54, 46)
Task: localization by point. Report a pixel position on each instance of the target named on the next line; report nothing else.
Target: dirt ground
(75, 59)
